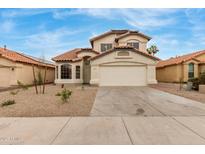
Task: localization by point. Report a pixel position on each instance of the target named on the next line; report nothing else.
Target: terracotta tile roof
(72, 55)
(108, 33)
(180, 59)
(121, 33)
(129, 32)
(125, 47)
(18, 57)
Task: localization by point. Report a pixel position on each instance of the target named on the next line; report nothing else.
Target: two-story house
(117, 58)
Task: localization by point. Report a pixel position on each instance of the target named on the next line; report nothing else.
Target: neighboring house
(181, 68)
(15, 66)
(117, 58)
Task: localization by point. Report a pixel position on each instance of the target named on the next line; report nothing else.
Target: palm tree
(152, 50)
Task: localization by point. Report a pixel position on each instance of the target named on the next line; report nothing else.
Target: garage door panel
(122, 76)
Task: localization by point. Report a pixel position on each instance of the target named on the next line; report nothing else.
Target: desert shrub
(22, 86)
(14, 92)
(195, 82)
(65, 95)
(58, 94)
(8, 102)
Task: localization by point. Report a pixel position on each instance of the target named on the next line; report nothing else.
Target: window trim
(77, 73)
(132, 42)
(190, 72)
(69, 76)
(111, 45)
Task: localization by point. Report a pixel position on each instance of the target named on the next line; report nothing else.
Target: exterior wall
(186, 69)
(107, 39)
(142, 41)
(201, 57)
(201, 68)
(174, 73)
(22, 72)
(121, 42)
(7, 74)
(133, 59)
(169, 74)
(73, 80)
(84, 53)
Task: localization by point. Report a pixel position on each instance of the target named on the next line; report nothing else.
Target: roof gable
(122, 48)
(72, 55)
(120, 33)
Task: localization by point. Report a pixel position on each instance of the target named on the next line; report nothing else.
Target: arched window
(123, 53)
(66, 71)
(191, 70)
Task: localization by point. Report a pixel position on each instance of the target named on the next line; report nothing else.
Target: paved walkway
(103, 130)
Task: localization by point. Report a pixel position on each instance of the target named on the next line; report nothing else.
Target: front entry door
(86, 71)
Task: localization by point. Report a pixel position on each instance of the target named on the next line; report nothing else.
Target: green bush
(202, 78)
(65, 95)
(195, 82)
(14, 92)
(21, 85)
(8, 102)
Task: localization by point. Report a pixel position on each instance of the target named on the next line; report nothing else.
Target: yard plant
(22, 85)
(64, 94)
(8, 102)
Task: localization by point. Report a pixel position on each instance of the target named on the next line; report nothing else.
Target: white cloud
(51, 43)
(7, 26)
(13, 13)
(140, 18)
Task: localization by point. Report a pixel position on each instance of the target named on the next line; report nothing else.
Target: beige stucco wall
(86, 53)
(7, 75)
(24, 73)
(174, 73)
(107, 39)
(121, 42)
(201, 57)
(21, 72)
(142, 41)
(134, 59)
(201, 68)
(169, 73)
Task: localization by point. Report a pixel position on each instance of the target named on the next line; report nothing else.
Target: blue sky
(49, 32)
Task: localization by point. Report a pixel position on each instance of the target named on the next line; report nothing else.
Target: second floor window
(133, 44)
(106, 46)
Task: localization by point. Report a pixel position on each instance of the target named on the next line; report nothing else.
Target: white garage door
(123, 76)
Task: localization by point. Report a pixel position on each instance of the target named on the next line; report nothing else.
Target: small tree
(40, 80)
(152, 50)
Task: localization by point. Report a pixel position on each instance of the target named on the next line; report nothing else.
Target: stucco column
(73, 72)
(151, 74)
(59, 71)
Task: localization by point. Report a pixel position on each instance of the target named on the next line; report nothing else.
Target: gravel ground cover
(28, 104)
(174, 88)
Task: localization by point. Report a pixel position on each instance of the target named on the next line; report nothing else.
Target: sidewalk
(103, 130)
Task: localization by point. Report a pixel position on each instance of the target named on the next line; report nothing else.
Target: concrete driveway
(143, 101)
